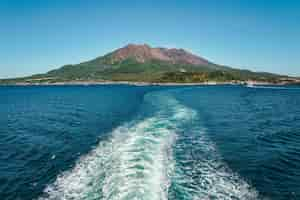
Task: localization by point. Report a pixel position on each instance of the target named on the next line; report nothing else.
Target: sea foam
(138, 163)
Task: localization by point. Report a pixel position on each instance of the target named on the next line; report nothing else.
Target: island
(142, 65)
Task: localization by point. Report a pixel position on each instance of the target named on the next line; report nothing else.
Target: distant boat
(250, 84)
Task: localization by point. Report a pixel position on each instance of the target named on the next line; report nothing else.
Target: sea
(124, 142)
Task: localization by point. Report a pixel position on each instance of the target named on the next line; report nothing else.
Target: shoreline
(87, 83)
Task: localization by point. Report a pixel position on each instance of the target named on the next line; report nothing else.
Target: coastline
(87, 83)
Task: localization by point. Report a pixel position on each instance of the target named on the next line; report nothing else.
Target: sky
(39, 35)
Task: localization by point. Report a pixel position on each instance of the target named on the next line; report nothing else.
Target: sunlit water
(139, 143)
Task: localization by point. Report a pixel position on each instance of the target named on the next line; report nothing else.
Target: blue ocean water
(127, 142)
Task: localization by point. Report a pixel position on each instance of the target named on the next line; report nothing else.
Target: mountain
(144, 53)
(142, 63)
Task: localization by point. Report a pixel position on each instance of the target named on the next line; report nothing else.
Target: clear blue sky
(36, 35)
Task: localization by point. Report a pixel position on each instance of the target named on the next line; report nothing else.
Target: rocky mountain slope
(144, 53)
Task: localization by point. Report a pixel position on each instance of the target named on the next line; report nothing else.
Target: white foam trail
(134, 164)
(207, 176)
(137, 163)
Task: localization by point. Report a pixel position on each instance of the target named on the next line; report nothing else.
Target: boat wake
(153, 158)
(201, 173)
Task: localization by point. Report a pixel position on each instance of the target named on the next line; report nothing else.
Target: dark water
(125, 142)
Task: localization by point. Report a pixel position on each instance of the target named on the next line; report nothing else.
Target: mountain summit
(144, 53)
